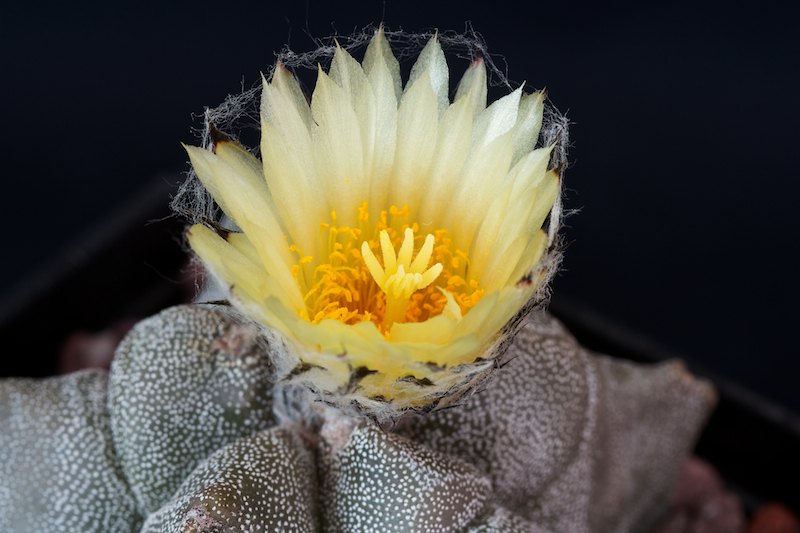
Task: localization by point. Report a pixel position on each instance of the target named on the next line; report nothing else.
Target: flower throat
(360, 277)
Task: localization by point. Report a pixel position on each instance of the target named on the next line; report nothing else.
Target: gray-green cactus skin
(501, 520)
(183, 384)
(559, 440)
(58, 468)
(384, 482)
(574, 441)
(265, 482)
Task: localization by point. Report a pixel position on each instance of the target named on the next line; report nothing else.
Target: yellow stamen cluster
(397, 284)
(354, 286)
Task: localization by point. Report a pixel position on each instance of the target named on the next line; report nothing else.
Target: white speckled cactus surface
(382, 363)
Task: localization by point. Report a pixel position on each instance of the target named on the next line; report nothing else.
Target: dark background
(683, 166)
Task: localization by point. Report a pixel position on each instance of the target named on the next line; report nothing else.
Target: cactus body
(501, 520)
(183, 384)
(380, 482)
(266, 482)
(559, 440)
(58, 468)
(573, 441)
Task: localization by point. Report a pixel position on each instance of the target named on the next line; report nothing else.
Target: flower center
(396, 283)
(352, 285)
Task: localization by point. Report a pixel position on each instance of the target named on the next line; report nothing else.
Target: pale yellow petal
(250, 167)
(502, 262)
(246, 277)
(514, 206)
(417, 122)
(479, 185)
(202, 168)
(334, 340)
(244, 246)
(288, 159)
(432, 61)
(507, 303)
(530, 258)
(473, 86)
(526, 213)
(530, 170)
(477, 316)
(248, 207)
(548, 192)
(437, 330)
(379, 52)
(299, 200)
(445, 354)
(348, 74)
(498, 119)
(452, 149)
(338, 149)
(487, 233)
(286, 84)
(384, 143)
(227, 262)
(482, 176)
(529, 123)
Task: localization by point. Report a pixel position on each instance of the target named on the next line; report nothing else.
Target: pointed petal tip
(281, 68)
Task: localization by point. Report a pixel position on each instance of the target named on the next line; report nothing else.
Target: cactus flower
(387, 234)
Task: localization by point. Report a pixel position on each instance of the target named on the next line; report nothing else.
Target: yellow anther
(394, 211)
(456, 281)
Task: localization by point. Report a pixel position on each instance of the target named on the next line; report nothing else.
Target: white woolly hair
(239, 115)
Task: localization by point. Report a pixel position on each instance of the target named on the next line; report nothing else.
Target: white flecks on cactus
(265, 482)
(572, 441)
(385, 483)
(525, 426)
(58, 470)
(501, 520)
(560, 440)
(183, 384)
